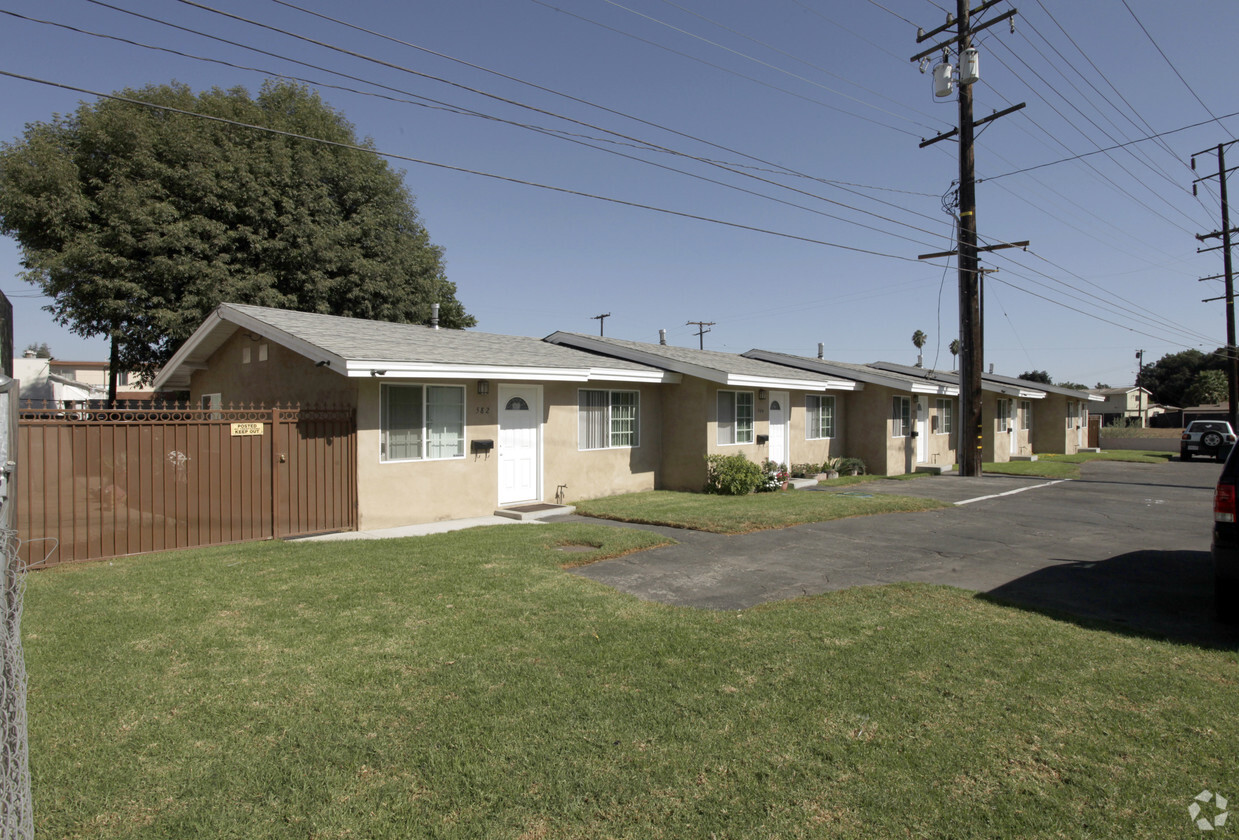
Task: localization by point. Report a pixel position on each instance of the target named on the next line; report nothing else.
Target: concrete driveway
(1126, 542)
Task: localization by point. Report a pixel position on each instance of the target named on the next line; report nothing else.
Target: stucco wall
(940, 445)
(817, 450)
(284, 377)
(407, 492)
(586, 474)
(685, 436)
(1050, 431)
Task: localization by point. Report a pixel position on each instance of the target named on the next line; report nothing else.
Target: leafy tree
(954, 348)
(1075, 386)
(41, 351)
(137, 222)
(1099, 386)
(1170, 377)
(1208, 388)
(1037, 376)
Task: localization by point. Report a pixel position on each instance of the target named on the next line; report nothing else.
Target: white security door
(922, 430)
(780, 440)
(520, 457)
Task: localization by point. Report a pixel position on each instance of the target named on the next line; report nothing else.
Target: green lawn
(1067, 466)
(464, 685)
(755, 512)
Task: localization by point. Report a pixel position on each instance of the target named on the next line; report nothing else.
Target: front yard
(465, 685)
(754, 512)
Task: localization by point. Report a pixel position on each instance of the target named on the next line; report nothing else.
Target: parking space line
(1011, 492)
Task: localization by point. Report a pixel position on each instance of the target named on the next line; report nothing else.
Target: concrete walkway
(419, 530)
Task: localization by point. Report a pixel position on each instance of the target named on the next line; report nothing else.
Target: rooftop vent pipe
(821, 350)
(662, 336)
(434, 316)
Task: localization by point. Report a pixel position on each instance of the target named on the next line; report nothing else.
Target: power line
(461, 169)
(1083, 155)
(754, 59)
(645, 145)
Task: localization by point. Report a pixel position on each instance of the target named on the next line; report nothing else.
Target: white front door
(520, 436)
(922, 430)
(780, 413)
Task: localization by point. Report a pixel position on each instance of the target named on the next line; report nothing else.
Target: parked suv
(1214, 438)
(1225, 548)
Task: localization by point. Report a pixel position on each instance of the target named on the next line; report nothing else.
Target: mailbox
(481, 447)
(762, 439)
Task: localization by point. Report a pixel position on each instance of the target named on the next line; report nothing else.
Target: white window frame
(610, 419)
(901, 416)
(426, 430)
(1025, 415)
(1003, 419)
(730, 432)
(944, 407)
(816, 406)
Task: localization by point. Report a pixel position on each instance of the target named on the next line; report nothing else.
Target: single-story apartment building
(894, 422)
(1021, 418)
(458, 423)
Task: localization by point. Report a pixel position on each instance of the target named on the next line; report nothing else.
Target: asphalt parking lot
(1125, 543)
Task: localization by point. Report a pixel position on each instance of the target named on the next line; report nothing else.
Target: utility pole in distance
(601, 319)
(701, 331)
(971, 332)
(1232, 361)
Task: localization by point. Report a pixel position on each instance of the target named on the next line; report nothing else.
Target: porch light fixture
(378, 373)
(483, 387)
(762, 394)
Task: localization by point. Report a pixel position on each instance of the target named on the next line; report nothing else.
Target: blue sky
(801, 118)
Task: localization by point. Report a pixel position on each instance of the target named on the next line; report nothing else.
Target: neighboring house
(1120, 406)
(895, 421)
(67, 384)
(726, 404)
(1021, 418)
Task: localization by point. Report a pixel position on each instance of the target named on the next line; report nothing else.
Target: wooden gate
(94, 484)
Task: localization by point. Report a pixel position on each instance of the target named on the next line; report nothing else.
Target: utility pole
(601, 319)
(1140, 389)
(971, 332)
(1232, 361)
(701, 331)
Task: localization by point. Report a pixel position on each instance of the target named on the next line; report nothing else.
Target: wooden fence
(100, 483)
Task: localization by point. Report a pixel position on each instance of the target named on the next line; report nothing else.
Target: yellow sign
(242, 429)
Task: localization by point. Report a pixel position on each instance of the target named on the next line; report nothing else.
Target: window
(820, 422)
(901, 416)
(945, 417)
(211, 402)
(735, 417)
(1004, 416)
(1025, 415)
(423, 422)
(607, 419)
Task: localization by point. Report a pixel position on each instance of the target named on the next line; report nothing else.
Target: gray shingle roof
(381, 341)
(688, 359)
(862, 373)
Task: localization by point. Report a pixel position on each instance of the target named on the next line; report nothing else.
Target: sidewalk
(417, 530)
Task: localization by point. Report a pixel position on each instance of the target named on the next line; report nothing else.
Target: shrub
(732, 475)
(850, 466)
(805, 470)
(773, 476)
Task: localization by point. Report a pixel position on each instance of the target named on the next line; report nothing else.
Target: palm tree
(919, 338)
(955, 353)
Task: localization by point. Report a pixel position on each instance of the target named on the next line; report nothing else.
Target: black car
(1225, 549)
